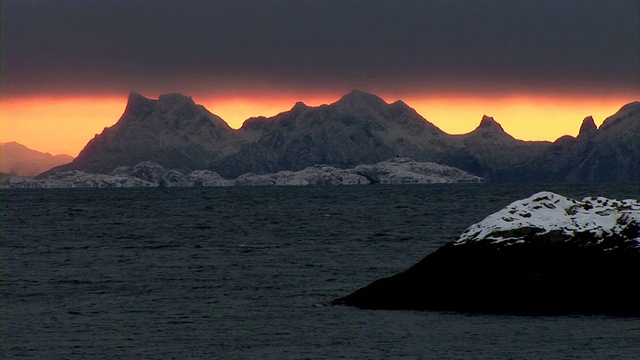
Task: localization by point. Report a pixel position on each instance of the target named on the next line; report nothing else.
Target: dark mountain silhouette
(360, 128)
(489, 150)
(608, 154)
(588, 127)
(17, 159)
(172, 131)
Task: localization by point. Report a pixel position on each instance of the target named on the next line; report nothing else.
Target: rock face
(544, 255)
(17, 159)
(149, 173)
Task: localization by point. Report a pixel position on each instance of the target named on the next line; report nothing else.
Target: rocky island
(152, 174)
(543, 255)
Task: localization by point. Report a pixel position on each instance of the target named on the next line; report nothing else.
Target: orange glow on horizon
(65, 125)
(58, 125)
(531, 118)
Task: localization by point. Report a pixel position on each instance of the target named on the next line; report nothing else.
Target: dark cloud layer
(213, 45)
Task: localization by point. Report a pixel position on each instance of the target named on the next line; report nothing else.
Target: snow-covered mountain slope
(550, 217)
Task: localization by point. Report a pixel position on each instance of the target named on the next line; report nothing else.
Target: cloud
(234, 45)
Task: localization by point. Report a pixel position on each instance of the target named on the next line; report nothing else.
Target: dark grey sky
(197, 46)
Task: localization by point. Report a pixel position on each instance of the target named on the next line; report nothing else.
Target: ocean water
(248, 272)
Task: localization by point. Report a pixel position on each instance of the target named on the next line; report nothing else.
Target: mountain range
(17, 159)
(360, 128)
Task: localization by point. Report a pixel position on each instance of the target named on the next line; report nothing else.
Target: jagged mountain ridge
(360, 128)
(606, 154)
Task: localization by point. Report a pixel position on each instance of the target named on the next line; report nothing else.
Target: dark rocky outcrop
(546, 255)
(524, 279)
(588, 127)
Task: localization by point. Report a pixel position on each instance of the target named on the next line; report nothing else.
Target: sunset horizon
(539, 68)
(66, 124)
(275, 179)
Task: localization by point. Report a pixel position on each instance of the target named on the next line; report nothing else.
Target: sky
(537, 66)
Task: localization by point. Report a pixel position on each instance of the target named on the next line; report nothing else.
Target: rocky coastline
(544, 255)
(151, 174)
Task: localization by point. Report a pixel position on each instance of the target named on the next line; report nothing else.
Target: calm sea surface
(247, 272)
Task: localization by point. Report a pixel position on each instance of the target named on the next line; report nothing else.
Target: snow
(408, 171)
(148, 173)
(546, 212)
(78, 179)
(392, 171)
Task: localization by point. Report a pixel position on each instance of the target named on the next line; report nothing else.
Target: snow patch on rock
(408, 171)
(207, 178)
(148, 173)
(559, 219)
(312, 175)
(78, 179)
